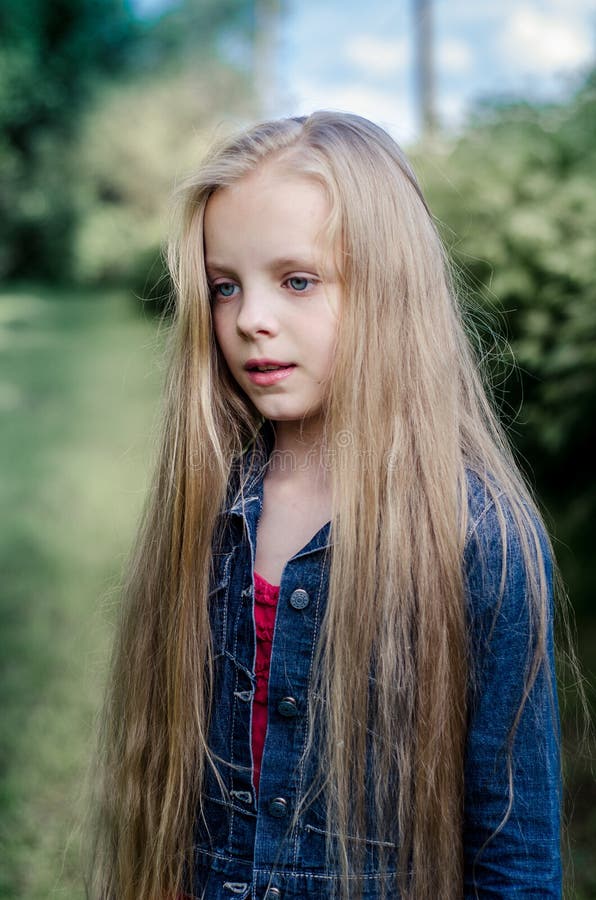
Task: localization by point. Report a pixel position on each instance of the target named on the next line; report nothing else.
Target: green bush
(515, 197)
(135, 144)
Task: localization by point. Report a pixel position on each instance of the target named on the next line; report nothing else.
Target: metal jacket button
(278, 807)
(272, 893)
(288, 707)
(299, 599)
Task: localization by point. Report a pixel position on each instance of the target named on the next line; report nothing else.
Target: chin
(280, 416)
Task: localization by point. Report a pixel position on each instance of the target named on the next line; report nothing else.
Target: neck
(299, 452)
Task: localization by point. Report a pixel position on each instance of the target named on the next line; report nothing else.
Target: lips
(253, 365)
(267, 372)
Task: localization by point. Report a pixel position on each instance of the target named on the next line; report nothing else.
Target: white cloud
(452, 109)
(494, 12)
(454, 56)
(378, 56)
(393, 111)
(574, 6)
(545, 42)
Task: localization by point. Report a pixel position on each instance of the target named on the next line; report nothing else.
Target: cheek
(222, 333)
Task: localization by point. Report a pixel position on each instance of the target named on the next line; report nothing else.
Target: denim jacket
(247, 849)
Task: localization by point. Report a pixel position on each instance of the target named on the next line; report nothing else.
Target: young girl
(334, 675)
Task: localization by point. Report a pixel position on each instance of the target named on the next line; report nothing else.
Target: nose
(257, 314)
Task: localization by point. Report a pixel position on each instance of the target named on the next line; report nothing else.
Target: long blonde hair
(408, 413)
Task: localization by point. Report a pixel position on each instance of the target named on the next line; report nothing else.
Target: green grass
(79, 385)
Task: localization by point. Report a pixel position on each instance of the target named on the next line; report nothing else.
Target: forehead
(271, 208)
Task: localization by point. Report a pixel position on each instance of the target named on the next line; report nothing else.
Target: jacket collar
(250, 471)
(247, 496)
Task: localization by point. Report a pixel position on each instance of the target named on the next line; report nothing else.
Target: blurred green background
(101, 110)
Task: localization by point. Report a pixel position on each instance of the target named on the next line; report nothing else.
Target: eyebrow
(282, 262)
(294, 262)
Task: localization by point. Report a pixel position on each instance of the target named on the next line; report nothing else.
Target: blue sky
(358, 56)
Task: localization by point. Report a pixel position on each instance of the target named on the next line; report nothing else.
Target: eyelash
(215, 288)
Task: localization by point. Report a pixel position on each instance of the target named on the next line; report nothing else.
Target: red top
(265, 606)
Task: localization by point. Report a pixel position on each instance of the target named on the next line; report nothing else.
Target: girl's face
(275, 302)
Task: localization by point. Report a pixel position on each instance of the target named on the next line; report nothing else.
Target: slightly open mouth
(267, 376)
(269, 368)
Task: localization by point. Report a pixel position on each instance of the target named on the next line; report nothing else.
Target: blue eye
(298, 284)
(223, 289)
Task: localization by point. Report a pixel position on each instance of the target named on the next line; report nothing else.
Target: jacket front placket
(260, 827)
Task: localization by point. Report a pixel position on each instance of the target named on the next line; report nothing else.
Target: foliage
(59, 61)
(134, 145)
(50, 58)
(517, 201)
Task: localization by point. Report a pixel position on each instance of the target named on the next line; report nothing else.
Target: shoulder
(508, 582)
(507, 552)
